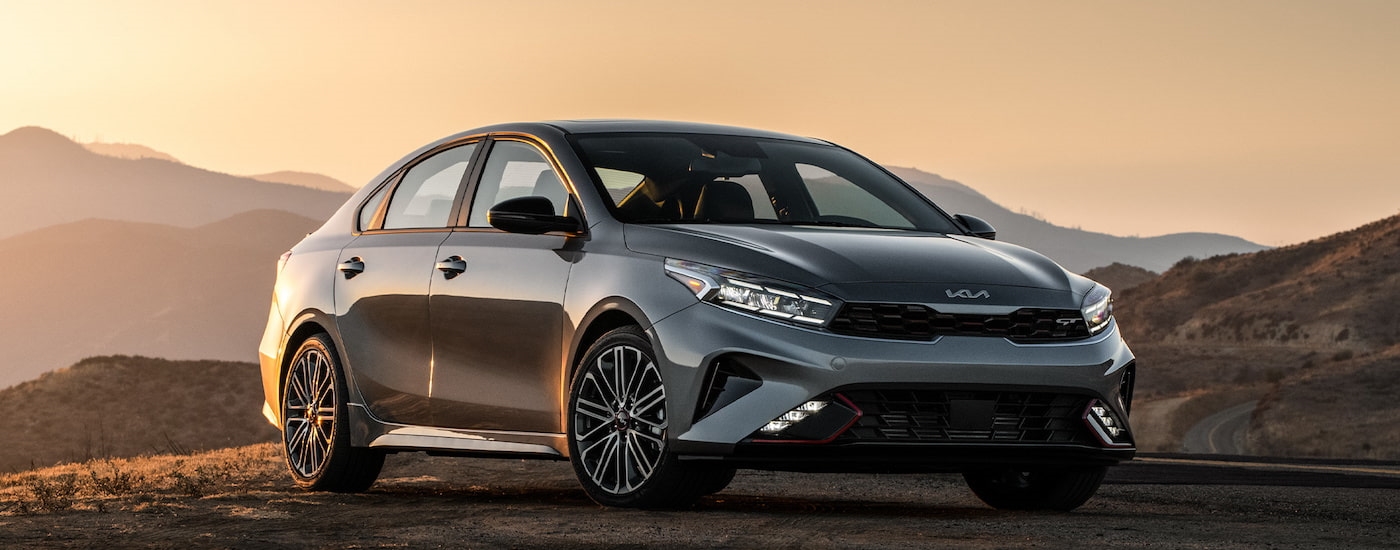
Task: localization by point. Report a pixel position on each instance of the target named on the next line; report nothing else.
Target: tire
(618, 439)
(315, 439)
(1061, 489)
(716, 480)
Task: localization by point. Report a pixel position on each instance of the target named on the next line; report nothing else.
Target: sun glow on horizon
(1270, 120)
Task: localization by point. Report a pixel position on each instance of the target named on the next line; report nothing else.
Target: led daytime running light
(746, 293)
(1106, 425)
(791, 417)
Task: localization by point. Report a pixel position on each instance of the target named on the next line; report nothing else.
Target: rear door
(381, 292)
(498, 323)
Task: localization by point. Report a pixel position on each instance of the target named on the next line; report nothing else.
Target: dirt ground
(427, 502)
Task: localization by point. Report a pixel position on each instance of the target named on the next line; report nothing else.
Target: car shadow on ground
(564, 499)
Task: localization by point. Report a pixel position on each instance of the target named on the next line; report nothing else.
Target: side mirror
(531, 216)
(977, 227)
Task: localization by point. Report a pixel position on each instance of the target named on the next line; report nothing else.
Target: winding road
(1222, 433)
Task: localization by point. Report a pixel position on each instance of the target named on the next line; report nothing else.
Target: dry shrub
(139, 483)
(1346, 409)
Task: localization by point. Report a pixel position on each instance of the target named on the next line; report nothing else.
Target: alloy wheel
(309, 416)
(620, 420)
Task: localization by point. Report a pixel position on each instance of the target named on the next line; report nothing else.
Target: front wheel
(1061, 489)
(315, 440)
(618, 427)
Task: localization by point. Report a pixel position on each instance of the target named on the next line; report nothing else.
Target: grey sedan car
(663, 303)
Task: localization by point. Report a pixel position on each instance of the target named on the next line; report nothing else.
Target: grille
(924, 416)
(918, 322)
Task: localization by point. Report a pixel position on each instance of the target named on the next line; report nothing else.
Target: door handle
(452, 266)
(352, 267)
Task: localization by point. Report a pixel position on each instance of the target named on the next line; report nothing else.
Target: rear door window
(423, 199)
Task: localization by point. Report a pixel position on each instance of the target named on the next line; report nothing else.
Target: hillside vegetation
(1339, 291)
(122, 406)
(1120, 277)
(1313, 328)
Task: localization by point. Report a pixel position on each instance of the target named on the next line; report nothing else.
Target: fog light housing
(793, 416)
(819, 420)
(1111, 430)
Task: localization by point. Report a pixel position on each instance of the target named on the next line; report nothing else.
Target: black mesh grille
(923, 416)
(917, 322)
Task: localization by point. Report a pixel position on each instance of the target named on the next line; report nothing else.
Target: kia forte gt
(663, 303)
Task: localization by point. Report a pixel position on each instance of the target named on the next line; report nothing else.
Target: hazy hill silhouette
(127, 406)
(306, 179)
(1075, 249)
(1120, 277)
(98, 287)
(127, 151)
(47, 179)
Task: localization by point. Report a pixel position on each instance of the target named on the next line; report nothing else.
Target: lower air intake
(942, 416)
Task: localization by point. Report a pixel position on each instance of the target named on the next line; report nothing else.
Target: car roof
(601, 126)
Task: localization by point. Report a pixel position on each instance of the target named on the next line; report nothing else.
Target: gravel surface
(424, 502)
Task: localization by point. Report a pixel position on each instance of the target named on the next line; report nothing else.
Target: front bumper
(795, 365)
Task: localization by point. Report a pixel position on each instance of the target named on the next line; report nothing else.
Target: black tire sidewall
(1057, 489)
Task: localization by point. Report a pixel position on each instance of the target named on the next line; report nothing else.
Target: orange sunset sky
(1278, 121)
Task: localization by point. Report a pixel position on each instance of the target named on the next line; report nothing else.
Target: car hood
(857, 258)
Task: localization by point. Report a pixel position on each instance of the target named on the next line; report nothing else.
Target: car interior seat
(547, 185)
(724, 200)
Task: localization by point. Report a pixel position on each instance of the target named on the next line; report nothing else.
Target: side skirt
(367, 431)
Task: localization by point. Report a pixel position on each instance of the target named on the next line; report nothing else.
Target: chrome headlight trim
(754, 294)
(1097, 308)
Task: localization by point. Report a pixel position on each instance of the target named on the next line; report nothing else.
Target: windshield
(702, 178)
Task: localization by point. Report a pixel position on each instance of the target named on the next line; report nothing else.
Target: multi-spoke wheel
(1062, 489)
(314, 442)
(618, 427)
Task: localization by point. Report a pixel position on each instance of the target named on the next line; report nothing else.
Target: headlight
(752, 293)
(1097, 308)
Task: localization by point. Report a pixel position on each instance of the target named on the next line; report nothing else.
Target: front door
(498, 323)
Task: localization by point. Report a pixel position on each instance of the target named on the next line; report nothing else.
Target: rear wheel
(618, 429)
(1062, 489)
(315, 441)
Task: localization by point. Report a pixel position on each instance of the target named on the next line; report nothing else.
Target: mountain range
(306, 179)
(1076, 249)
(128, 151)
(99, 287)
(48, 179)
